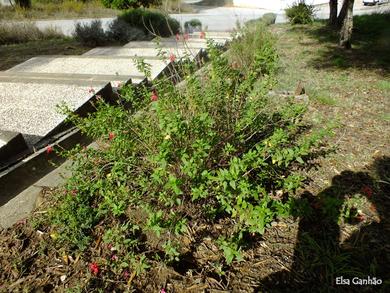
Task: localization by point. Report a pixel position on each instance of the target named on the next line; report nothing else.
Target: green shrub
(126, 4)
(174, 157)
(151, 22)
(120, 31)
(256, 46)
(193, 24)
(91, 34)
(300, 13)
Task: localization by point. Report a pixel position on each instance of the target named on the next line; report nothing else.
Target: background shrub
(126, 4)
(120, 31)
(151, 21)
(91, 34)
(300, 13)
(193, 25)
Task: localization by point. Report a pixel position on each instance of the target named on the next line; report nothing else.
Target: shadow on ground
(319, 255)
(370, 44)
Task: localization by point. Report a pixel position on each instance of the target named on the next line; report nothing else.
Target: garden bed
(129, 217)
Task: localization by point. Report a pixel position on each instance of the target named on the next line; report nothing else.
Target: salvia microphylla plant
(171, 157)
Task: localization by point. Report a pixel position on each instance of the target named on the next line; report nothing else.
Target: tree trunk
(23, 3)
(346, 29)
(333, 5)
(343, 13)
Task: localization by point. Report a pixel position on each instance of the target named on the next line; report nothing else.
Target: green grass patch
(385, 117)
(324, 100)
(384, 85)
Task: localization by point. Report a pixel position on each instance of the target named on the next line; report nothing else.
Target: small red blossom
(111, 136)
(91, 91)
(49, 149)
(94, 268)
(360, 217)
(114, 257)
(186, 36)
(154, 96)
(367, 190)
(316, 205)
(163, 291)
(126, 275)
(177, 37)
(172, 57)
(202, 35)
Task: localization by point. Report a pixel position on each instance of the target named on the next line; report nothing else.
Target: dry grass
(25, 32)
(354, 95)
(12, 55)
(57, 10)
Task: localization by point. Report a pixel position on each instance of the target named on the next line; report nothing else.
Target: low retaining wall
(275, 5)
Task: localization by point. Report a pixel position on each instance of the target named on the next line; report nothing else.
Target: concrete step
(11, 144)
(146, 53)
(92, 65)
(168, 43)
(66, 78)
(32, 108)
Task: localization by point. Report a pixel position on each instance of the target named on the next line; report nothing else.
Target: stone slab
(11, 144)
(168, 43)
(19, 207)
(64, 78)
(32, 108)
(93, 65)
(163, 53)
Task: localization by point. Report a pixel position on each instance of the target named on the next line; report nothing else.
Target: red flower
(177, 37)
(316, 205)
(367, 190)
(126, 275)
(114, 257)
(49, 149)
(94, 268)
(360, 218)
(202, 35)
(186, 36)
(111, 136)
(172, 57)
(154, 96)
(91, 91)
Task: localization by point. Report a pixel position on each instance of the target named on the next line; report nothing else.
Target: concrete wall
(4, 2)
(273, 4)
